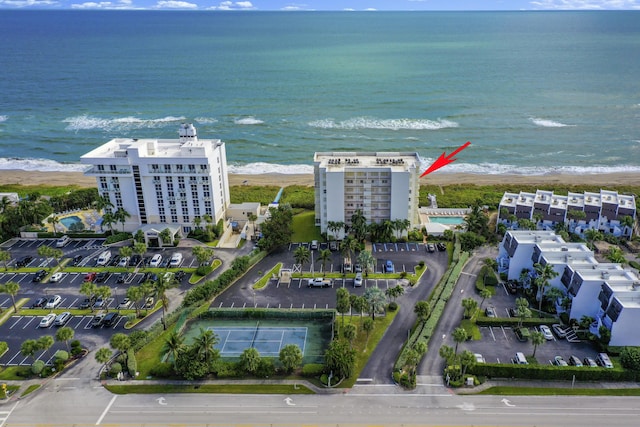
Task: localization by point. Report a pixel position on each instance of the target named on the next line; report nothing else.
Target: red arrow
(444, 160)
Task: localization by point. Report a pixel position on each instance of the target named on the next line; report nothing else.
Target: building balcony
(94, 171)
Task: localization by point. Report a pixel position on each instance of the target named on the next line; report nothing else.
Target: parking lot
(499, 344)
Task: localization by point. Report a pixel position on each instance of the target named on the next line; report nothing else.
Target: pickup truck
(319, 282)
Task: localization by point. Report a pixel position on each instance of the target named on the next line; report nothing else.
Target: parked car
(176, 260)
(179, 275)
(62, 241)
(56, 277)
(333, 246)
(513, 312)
(357, 268)
(388, 267)
(97, 320)
(63, 318)
(522, 334)
(155, 261)
(39, 275)
(479, 358)
(357, 282)
(589, 362)
(24, 261)
(115, 260)
(149, 302)
(575, 361)
(490, 312)
(90, 277)
(512, 286)
(101, 277)
(53, 302)
(134, 260)
(431, 247)
(314, 245)
(40, 302)
(47, 320)
(546, 332)
(319, 282)
(110, 318)
(603, 360)
(124, 261)
(441, 246)
(125, 304)
(100, 303)
(87, 302)
(165, 263)
(76, 260)
(559, 361)
(560, 330)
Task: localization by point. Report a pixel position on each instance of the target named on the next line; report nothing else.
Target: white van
(104, 258)
(62, 241)
(176, 260)
(155, 261)
(520, 359)
(603, 360)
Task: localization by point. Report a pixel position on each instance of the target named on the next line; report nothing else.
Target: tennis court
(268, 340)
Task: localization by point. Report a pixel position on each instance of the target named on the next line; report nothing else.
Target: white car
(479, 358)
(47, 320)
(357, 282)
(560, 331)
(546, 331)
(56, 277)
(53, 302)
(124, 261)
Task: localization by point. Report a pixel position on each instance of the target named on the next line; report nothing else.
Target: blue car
(388, 267)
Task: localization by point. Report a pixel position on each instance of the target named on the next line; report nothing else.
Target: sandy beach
(605, 180)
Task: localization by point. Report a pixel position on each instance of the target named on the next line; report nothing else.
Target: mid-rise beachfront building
(163, 183)
(606, 292)
(383, 186)
(604, 211)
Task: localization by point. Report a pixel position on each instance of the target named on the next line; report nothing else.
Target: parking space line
(88, 325)
(29, 320)
(491, 331)
(504, 332)
(18, 319)
(14, 356)
(79, 321)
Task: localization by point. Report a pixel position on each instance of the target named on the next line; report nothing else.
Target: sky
(326, 5)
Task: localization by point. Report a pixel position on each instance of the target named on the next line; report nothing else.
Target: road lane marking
(104, 413)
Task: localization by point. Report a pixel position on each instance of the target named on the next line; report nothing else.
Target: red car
(90, 277)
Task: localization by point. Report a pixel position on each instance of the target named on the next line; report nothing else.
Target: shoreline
(31, 178)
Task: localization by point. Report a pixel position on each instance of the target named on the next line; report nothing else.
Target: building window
(192, 168)
(163, 218)
(112, 168)
(167, 168)
(174, 218)
(204, 168)
(178, 168)
(206, 194)
(101, 168)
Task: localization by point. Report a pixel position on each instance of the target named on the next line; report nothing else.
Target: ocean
(534, 92)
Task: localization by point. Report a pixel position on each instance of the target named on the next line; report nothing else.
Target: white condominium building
(163, 181)
(605, 211)
(383, 186)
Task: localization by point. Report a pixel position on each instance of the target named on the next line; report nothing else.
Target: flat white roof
(341, 160)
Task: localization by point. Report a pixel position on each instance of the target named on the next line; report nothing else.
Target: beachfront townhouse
(381, 185)
(606, 292)
(163, 183)
(606, 211)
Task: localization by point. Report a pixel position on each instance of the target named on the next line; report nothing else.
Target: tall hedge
(132, 363)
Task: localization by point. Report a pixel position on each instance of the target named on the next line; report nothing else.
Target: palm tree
(324, 256)
(166, 236)
(135, 294)
(252, 219)
(358, 225)
(11, 288)
(485, 294)
(470, 307)
(447, 354)
(348, 247)
(173, 345)
(544, 273)
(367, 261)
(615, 255)
(103, 355)
(45, 342)
(161, 285)
(108, 219)
(422, 310)
(467, 360)
(54, 221)
(204, 343)
(537, 338)
(459, 336)
(250, 360)
(334, 227)
(367, 327)
(627, 222)
(592, 235)
(4, 257)
(197, 221)
(302, 254)
(4, 203)
(88, 289)
(65, 334)
(121, 216)
(29, 348)
(375, 300)
(103, 203)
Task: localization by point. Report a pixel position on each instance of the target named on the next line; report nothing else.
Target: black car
(121, 278)
(88, 302)
(24, 261)
(512, 286)
(179, 275)
(40, 302)
(165, 262)
(76, 260)
(101, 277)
(148, 277)
(441, 246)
(134, 260)
(114, 261)
(39, 275)
(110, 318)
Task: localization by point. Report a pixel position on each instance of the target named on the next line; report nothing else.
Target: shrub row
(118, 237)
(550, 372)
(132, 363)
(312, 370)
(3, 347)
(438, 299)
(513, 321)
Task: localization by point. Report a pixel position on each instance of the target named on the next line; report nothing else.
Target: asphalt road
(76, 402)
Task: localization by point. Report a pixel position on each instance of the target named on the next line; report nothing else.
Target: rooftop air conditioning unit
(605, 275)
(564, 249)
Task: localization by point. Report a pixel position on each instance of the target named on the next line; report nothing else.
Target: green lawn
(304, 227)
(265, 279)
(210, 388)
(544, 391)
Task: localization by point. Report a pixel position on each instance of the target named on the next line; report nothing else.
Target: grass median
(210, 388)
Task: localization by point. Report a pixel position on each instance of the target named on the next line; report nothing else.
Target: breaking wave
(548, 123)
(42, 165)
(388, 124)
(261, 168)
(205, 120)
(86, 122)
(3, 118)
(248, 121)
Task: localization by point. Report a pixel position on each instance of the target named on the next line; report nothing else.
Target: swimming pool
(70, 220)
(449, 220)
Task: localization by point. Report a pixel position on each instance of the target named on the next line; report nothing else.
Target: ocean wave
(548, 123)
(388, 124)
(4, 118)
(248, 121)
(205, 120)
(261, 167)
(86, 122)
(41, 165)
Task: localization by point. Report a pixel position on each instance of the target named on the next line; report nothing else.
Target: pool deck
(436, 228)
(90, 218)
